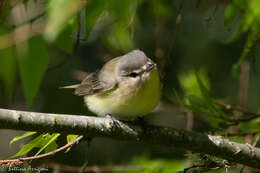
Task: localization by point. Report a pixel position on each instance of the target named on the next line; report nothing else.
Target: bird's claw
(114, 122)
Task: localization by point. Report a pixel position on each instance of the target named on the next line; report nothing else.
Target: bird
(126, 88)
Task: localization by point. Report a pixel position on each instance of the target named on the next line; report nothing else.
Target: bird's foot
(114, 122)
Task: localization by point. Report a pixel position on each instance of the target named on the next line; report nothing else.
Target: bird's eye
(133, 74)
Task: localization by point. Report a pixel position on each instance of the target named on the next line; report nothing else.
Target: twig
(189, 127)
(242, 99)
(131, 25)
(199, 169)
(213, 15)
(98, 169)
(190, 119)
(176, 30)
(209, 166)
(164, 58)
(19, 161)
(231, 108)
(242, 133)
(256, 141)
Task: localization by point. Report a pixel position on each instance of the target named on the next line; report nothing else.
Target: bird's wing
(92, 85)
(100, 82)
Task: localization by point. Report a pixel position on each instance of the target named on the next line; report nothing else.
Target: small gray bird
(127, 87)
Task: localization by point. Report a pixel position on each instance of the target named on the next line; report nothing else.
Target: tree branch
(102, 127)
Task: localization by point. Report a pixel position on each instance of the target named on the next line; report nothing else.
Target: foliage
(7, 70)
(71, 138)
(17, 138)
(32, 65)
(150, 165)
(56, 22)
(44, 142)
(196, 88)
(249, 24)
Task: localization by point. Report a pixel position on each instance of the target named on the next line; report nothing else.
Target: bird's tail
(70, 86)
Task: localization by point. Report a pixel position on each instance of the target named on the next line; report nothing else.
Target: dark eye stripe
(133, 74)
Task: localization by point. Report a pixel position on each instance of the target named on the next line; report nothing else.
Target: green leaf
(189, 82)
(60, 13)
(246, 21)
(50, 139)
(43, 141)
(235, 70)
(161, 9)
(120, 39)
(250, 42)
(230, 13)
(33, 65)
(212, 107)
(93, 12)
(65, 41)
(17, 138)
(197, 98)
(203, 88)
(250, 21)
(197, 104)
(253, 125)
(7, 70)
(254, 7)
(51, 147)
(123, 12)
(71, 138)
(178, 98)
(35, 143)
(241, 29)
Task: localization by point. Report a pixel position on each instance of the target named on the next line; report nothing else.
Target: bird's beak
(150, 65)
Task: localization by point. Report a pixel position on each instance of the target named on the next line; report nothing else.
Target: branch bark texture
(103, 127)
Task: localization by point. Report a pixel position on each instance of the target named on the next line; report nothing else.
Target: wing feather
(101, 82)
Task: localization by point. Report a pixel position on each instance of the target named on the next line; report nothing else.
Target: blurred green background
(45, 44)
